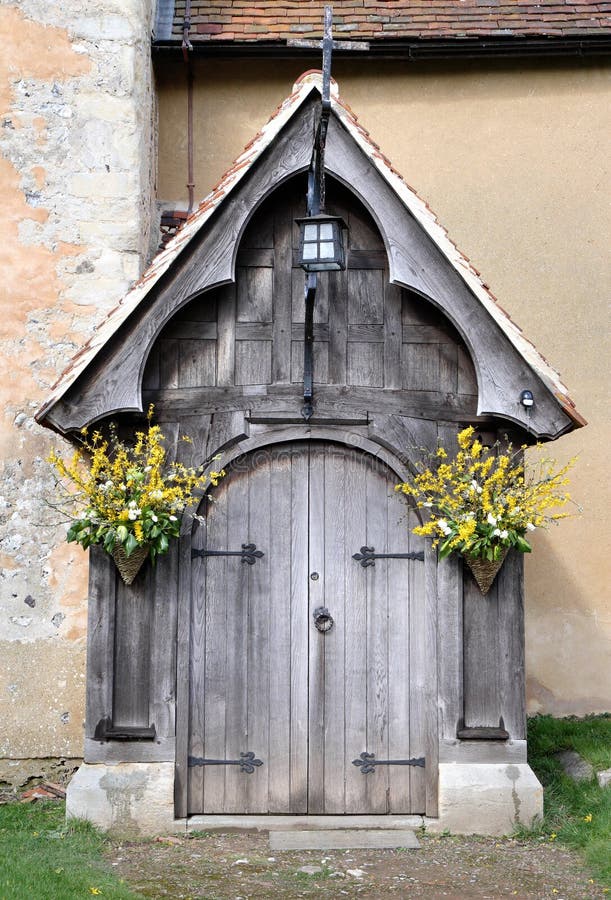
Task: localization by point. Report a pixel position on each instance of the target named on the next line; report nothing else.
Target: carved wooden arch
(113, 381)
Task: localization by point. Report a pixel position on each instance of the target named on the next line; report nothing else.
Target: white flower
(122, 487)
(147, 468)
(530, 526)
(132, 504)
(476, 486)
(503, 534)
(134, 513)
(154, 517)
(443, 525)
(490, 519)
(173, 519)
(427, 505)
(156, 495)
(496, 532)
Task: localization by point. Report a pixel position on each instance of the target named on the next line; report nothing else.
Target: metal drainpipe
(186, 47)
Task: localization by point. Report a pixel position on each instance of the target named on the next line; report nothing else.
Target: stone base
(137, 799)
(127, 799)
(486, 798)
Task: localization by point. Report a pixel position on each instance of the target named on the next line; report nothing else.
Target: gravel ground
(240, 866)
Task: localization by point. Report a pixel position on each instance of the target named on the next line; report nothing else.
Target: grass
(577, 814)
(41, 857)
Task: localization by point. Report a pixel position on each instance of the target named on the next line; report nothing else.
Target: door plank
(316, 686)
(417, 679)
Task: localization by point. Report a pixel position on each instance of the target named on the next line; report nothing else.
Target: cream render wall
(76, 180)
(514, 159)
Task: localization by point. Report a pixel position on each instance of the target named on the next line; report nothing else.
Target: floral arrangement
(482, 502)
(127, 497)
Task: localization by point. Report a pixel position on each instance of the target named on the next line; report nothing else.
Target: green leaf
(130, 544)
(522, 545)
(122, 533)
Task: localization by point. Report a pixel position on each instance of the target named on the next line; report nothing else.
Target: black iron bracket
(248, 554)
(367, 762)
(246, 762)
(367, 556)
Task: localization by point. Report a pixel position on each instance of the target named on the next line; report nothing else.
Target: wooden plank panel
(254, 294)
(278, 616)
(366, 333)
(253, 362)
(418, 649)
(398, 599)
(430, 713)
(481, 654)
(317, 564)
(337, 285)
(366, 364)
(196, 363)
(169, 362)
(212, 702)
(377, 640)
(448, 368)
(282, 288)
(511, 645)
(260, 258)
(225, 348)
(187, 595)
(321, 362)
(420, 367)
(300, 626)
(100, 643)
(356, 675)
(366, 297)
(467, 380)
(132, 651)
(428, 334)
(235, 639)
(392, 335)
(163, 643)
(246, 331)
(333, 642)
(261, 614)
(321, 305)
(184, 329)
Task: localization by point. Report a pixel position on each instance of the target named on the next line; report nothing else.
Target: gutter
(410, 49)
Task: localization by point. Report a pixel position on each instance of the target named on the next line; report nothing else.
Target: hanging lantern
(321, 243)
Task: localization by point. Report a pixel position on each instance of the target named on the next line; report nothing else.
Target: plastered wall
(514, 159)
(76, 178)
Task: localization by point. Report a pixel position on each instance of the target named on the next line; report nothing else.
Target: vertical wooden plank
(316, 770)
(238, 664)
(214, 639)
(365, 364)
(189, 591)
(225, 344)
(392, 335)
(278, 615)
(300, 625)
(418, 649)
(430, 712)
(168, 364)
(448, 368)
(377, 638)
(512, 699)
(334, 598)
(196, 363)
(253, 362)
(338, 326)
(196, 668)
(100, 634)
(259, 519)
(163, 643)
(254, 294)
(132, 650)
(398, 599)
(450, 645)
(356, 675)
(481, 653)
(282, 290)
(365, 296)
(420, 367)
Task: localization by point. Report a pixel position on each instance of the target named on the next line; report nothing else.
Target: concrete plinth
(487, 798)
(127, 799)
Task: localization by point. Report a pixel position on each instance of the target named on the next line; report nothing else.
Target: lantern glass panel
(310, 251)
(326, 232)
(310, 232)
(327, 250)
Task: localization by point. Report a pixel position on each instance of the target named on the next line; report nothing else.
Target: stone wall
(77, 132)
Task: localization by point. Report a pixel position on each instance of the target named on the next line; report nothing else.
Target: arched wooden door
(265, 681)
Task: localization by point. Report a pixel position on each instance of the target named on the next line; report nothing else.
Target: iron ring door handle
(323, 620)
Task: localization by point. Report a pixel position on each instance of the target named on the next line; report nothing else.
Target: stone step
(342, 839)
(300, 823)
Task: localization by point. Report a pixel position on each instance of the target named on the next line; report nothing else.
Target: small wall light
(526, 399)
(321, 243)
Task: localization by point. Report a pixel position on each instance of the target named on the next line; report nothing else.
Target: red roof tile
(279, 20)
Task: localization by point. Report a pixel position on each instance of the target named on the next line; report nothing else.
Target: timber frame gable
(105, 378)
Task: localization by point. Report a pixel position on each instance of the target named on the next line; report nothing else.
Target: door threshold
(300, 823)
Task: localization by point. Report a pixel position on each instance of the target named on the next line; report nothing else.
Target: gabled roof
(380, 20)
(308, 83)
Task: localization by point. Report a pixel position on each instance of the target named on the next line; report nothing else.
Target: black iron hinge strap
(249, 553)
(368, 762)
(367, 556)
(246, 762)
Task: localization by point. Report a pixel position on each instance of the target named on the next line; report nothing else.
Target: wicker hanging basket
(484, 570)
(129, 566)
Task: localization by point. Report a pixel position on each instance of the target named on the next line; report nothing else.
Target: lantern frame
(321, 243)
